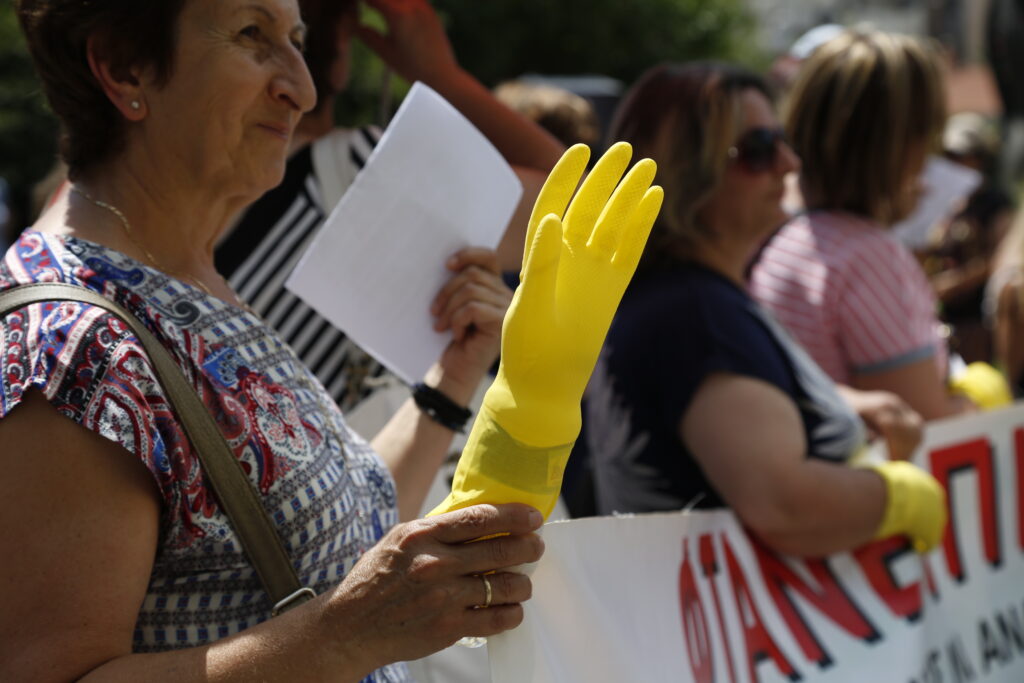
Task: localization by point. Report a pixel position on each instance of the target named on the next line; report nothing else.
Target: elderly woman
(700, 399)
(120, 562)
(863, 115)
(258, 253)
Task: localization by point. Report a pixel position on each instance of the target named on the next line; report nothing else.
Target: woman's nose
(294, 84)
(788, 161)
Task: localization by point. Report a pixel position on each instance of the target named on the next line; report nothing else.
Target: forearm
(952, 285)
(414, 446)
(510, 249)
(919, 384)
(820, 508)
(521, 141)
(297, 645)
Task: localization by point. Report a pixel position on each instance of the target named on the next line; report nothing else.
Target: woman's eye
(299, 45)
(252, 32)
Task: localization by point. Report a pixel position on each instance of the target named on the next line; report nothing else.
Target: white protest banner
(692, 598)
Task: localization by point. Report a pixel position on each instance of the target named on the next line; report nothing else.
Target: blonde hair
(685, 117)
(865, 103)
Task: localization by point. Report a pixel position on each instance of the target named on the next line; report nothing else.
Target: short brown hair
(566, 115)
(128, 33)
(685, 117)
(864, 103)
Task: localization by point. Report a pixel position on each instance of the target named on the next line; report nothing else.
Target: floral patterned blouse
(328, 493)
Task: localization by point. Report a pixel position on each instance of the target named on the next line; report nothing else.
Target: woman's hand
(420, 588)
(415, 45)
(889, 417)
(472, 305)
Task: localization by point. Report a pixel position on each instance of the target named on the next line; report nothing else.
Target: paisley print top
(329, 494)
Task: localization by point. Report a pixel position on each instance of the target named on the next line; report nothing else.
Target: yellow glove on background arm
(985, 386)
(577, 264)
(915, 504)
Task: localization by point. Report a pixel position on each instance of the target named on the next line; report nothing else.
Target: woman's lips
(282, 131)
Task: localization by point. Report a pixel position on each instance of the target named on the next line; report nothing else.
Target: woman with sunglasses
(863, 115)
(700, 399)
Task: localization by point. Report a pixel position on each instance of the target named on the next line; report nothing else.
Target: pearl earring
(135, 105)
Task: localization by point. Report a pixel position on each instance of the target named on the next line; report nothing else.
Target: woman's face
(747, 204)
(238, 87)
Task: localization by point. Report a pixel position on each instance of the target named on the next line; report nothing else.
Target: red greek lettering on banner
(828, 597)
(952, 461)
(1018, 461)
(759, 643)
(709, 566)
(695, 623)
(876, 560)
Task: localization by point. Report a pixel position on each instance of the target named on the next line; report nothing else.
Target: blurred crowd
(781, 320)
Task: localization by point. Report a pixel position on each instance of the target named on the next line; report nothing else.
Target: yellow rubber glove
(915, 504)
(984, 385)
(575, 269)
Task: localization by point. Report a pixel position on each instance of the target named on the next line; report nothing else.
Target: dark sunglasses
(758, 149)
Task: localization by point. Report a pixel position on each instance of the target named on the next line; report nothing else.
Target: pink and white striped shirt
(853, 296)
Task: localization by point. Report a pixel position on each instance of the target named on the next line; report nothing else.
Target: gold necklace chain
(300, 369)
(129, 233)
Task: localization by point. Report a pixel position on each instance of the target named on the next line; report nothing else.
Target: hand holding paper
(578, 262)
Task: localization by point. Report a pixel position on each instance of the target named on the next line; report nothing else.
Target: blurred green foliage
(28, 131)
(502, 39)
(494, 39)
(498, 40)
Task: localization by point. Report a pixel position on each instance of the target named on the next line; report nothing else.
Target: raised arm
(417, 48)
(472, 305)
(580, 256)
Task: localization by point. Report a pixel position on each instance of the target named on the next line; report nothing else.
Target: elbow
(774, 521)
(785, 527)
(793, 544)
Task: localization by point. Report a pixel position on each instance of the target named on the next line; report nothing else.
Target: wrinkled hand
(575, 270)
(891, 418)
(417, 590)
(472, 304)
(416, 45)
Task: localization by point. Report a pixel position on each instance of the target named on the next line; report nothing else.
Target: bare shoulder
(81, 522)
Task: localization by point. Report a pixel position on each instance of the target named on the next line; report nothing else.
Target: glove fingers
(541, 267)
(634, 238)
(593, 195)
(614, 223)
(557, 190)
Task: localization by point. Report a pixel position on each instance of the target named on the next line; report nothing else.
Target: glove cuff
(915, 504)
(497, 468)
(897, 507)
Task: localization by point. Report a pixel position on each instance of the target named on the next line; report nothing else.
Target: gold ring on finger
(488, 594)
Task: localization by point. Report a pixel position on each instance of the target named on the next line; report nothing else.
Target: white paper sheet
(946, 185)
(433, 185)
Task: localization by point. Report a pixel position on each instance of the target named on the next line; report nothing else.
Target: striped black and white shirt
(267, 243)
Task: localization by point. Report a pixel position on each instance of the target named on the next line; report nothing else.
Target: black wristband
(440, 408)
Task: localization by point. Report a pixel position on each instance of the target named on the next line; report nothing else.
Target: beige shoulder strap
(236, 494)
